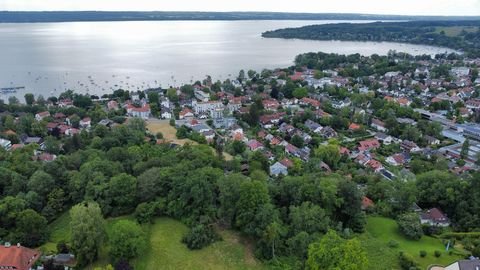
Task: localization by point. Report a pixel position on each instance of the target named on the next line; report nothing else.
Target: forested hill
(71, 16)
(460, 35)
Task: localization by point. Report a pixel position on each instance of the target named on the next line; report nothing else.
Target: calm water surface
(97, 57)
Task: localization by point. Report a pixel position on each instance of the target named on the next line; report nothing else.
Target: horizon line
(278, 12)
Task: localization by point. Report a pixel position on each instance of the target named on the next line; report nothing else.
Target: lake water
(97, 57)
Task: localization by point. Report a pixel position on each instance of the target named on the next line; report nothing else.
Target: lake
(97, 57)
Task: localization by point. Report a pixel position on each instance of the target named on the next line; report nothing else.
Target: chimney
(7, 244)
(18, 245)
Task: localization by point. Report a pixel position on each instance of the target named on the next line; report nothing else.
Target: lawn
(381, 230)
(170, 134)
(167, 252)
(59, 230)
(454, 31)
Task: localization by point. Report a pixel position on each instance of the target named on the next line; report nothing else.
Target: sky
(398, 7)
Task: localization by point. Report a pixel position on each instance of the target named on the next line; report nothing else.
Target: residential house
(5, 144)
(384, 138)
(434, 217)
(398, 159)
(328, 133)
(409, 146)
(431, 140)
(254, 145)
(367, 145)
(278, 169)
(17, 257)
(310, 102)
(378, 125)
(185, 114)
(471, 264)
(41, 115)
(166, 113)
(112, 105)
(270, 104)
(313, 126)
(354, 127)
(202, 96)
(86, 122)
(142, 111)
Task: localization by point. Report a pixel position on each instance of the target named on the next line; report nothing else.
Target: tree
(238, 147)
(127, 240)
(41, 182)
(409, 225)
(29, 98)
(200, 236)
(31, 228)
(465, 149)
(329, 154)
(87, 231)
(122, 191)
(297, 141)
(300, 92)
(308, 217)
(253, 196)
(334, 253)
(172, 94)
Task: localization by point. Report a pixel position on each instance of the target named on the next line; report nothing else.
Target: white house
(278, 168)
(202, 96)
(5, 144)
(378, 125)
(141, 112)
(86, 122)
(41, 115)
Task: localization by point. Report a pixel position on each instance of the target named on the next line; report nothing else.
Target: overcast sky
(401, 7)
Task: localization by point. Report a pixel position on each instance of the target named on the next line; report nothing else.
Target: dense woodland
(417, 32)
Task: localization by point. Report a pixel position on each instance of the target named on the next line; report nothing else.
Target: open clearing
(381, 230)
(165, 249)
(169, 134)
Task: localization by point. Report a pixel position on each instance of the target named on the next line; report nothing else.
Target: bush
(392, 244)
(172, 122)
(200, 236)
(423, 253)
(437, 253)
(409, 225)
(407, 262)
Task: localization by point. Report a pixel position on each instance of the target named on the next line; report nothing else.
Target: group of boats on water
(10, 90)
(116, 82)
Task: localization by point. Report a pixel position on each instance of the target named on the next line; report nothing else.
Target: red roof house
(369, 145)
(17, 257)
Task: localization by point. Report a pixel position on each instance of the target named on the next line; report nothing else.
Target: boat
(6, 90)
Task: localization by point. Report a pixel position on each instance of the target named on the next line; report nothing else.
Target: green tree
(41, 182)
(31, 228)
(329, 154)
(253, 197)
(298, 141)
(300, 92)
(29, 98)
(122, 191)
(409, 225)
(465, 149)
(87, 231)
(127, 240)
(334, 253)
(308, 217)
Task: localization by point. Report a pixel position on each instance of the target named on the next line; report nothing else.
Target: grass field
(169, 134)
(381, 230)
(59, 231)
(165, 250)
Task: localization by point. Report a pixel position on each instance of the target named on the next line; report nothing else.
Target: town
(377, 119)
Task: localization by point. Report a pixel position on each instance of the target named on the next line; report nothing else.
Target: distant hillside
(459, 35)
(71, 16)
